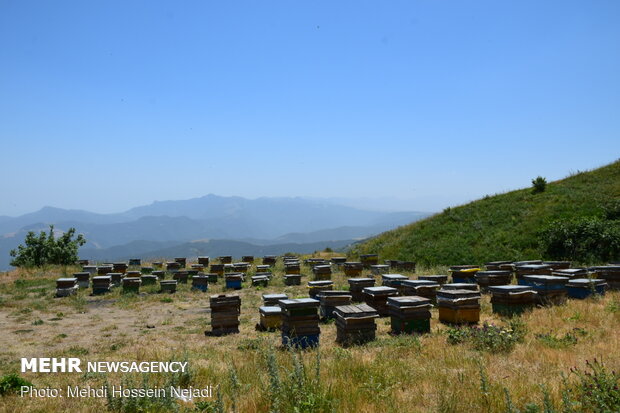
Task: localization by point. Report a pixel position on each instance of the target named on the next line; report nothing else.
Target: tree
(539, 185)
(44, 249)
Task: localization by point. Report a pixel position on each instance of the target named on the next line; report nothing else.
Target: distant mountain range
(172, 227)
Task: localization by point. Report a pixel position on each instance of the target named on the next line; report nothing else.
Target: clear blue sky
(106, 105)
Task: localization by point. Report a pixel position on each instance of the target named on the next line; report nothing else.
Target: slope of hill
(503, 226)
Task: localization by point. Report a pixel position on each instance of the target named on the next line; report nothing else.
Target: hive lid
(356, 311)
(493, 272)
(168, 282)
(270, 310)
(526, 267)
(547, 279)
(419, 283)
(570, 271)
(408, 301)
(510, 288)
(393, 277)
(102, 277)
(458, 294)
(460, 286)
(322, 283)
(581, 282)
(335, 293)
(359, 280)
(299, 302)
(275, 296)
(380, 290)
(67, 280)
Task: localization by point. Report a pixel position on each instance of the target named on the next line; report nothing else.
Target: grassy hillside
(499, 227)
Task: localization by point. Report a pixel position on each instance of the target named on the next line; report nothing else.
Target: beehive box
(225, 310)
(182, 261)
(168, 286)
(173, 266)
(104, 269)
(609, 273)
(322, 272)
(421, 288)
(458, 306)
(292, 279)
(439, 279)
(158, 264)
(146, 270)
(131, 284)
(160, 274)
(410, 314)
(558, 265)
(240, 267)
(357, 285)
(271, 300)
(338, 260)
(269, 260)
(217, 269)
(148, 279)
(485, 279)
(329, 300)
(225, 259)
(102, 284)
(464, 273)
(314, 287)
(83, 279)
(66, 287)
(300, 322)
(197, 267)
(263, 268)
(212, 277)
(355, 324)
(267, 274)
(116, 278)
(249, 259)
(581, 288)
(377, 297)
(203, 261)
(233, 281)
(393, 280)
(379, 269)
(200, 282)
(270, 318)
(260, 281)
(82, 262)
(135, 262)
(312, 262)
(119, 267)
(292, 267)
(92, 269)
(369, 259)
(511, 300)
(532, 269)
(352, 268)
(191, 273)
(495, 265)
(551, 289)
(181, 277)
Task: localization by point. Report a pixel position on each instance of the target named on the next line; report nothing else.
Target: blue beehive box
(233, 281)
(581, 288)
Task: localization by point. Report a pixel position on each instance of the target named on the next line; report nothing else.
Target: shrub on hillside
(539, 185)
(587, 240)
(44, 249)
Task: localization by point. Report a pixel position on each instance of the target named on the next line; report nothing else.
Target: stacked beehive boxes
(200, 282)
(204, 261)
(584, 287)
(355, 324)
(300, 322)
(410, 314)
(353, 269)
(458, 306)
(330, 300)
(315, 287)
(377, 297)
(217, 269)
(225, 310)
(510, 300)
(357, 285)
(260, 280)
(270, 318)
(83, 279)
(486, 279)
(102, 284)
(66, 287)
(269, 260)
(322, 272)
(120, 267)
(420, 288)
(241, 267)
(292, 267)
(551, 289)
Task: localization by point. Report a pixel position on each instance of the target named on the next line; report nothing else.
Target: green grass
(499, 227)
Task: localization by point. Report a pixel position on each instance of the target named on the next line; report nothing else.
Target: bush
(587, 240)
(539, 185)
(597, 389)
(12, 383)
(45, 249)
(489, 337)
